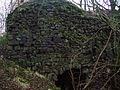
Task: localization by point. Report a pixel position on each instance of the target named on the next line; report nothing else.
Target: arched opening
(71, 80)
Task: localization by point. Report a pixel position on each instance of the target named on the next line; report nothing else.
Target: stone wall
(54, 36)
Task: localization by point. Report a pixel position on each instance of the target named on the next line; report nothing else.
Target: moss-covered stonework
(54, 36)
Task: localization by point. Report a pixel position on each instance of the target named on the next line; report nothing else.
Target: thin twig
(79, 79)
(110, 79)
(72, 77)
(96, 63)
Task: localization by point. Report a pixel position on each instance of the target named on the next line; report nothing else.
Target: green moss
(21, 81)
(71, 8)
(75, 36)
(11, 69)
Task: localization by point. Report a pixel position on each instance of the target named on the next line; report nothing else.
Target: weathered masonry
(54, 37)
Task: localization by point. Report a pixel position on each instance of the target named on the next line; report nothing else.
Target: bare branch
(97, 3)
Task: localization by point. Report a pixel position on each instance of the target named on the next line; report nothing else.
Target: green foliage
(3, 39)
(22, 82)
(13, 77)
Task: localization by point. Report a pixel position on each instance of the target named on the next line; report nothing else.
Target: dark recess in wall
(67, 82)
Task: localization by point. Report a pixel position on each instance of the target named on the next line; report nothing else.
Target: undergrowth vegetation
(13, 77)
(3, 39)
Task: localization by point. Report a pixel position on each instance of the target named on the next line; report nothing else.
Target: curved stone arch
(56, 38)
(53, 32)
